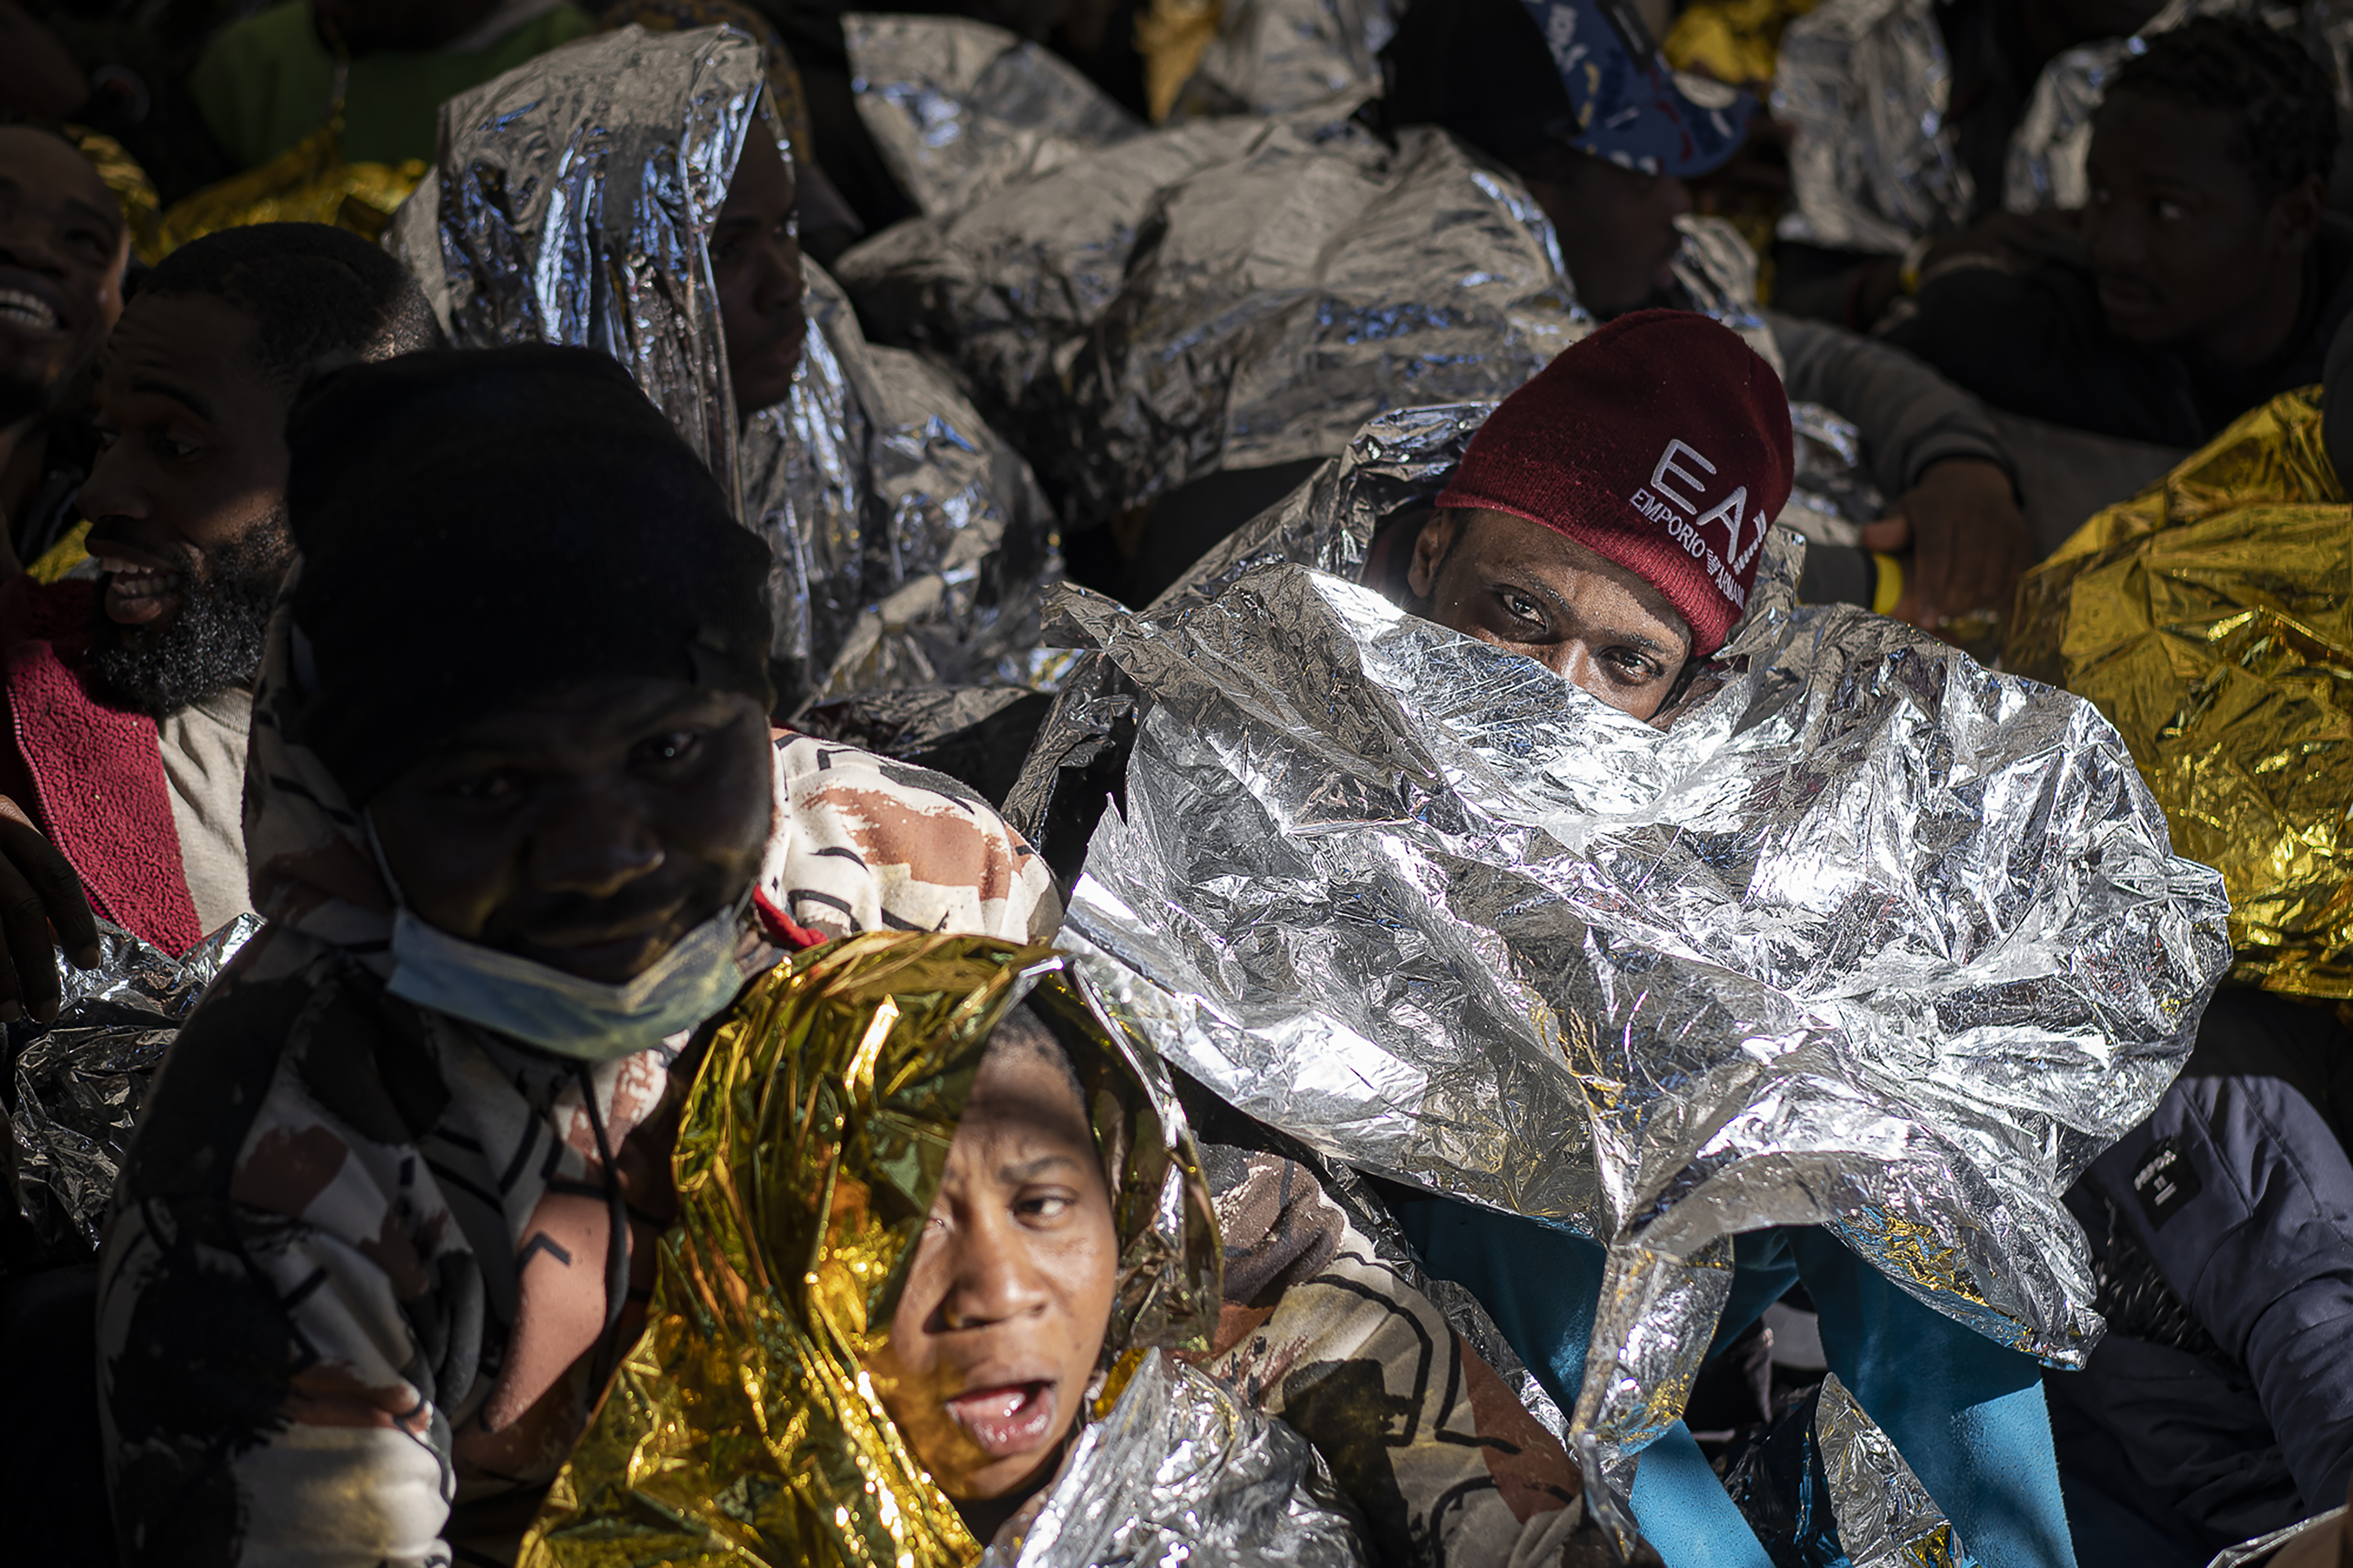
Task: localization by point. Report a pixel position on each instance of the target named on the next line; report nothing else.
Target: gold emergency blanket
(740, 1429)
(2210, 619)
(310, 182)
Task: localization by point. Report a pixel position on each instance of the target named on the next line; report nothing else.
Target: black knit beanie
(479, 529)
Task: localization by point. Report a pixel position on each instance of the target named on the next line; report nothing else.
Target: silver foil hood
(573, 202)
(1870, 938)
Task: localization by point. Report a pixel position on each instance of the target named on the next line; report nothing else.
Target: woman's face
(998, 1331)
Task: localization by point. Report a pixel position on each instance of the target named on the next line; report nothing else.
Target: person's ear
(1430, 547)
(2296, 212)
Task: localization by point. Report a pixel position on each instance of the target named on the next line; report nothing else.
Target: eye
(496, 788)
(1519, 607)
(91, 246)
(2169, 212)
(1634, 666)
(1044, 1205)
(677, 746)
(173, 450)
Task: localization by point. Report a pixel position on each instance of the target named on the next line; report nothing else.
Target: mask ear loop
(383, 866)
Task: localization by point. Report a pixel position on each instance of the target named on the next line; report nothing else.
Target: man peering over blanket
(520, 830)
(1607, 521)
(1766, 943)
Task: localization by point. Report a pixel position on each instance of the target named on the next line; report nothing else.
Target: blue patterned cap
(1630, 106)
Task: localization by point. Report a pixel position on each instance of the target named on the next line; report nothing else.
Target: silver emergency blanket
(1885, 1517)
(1827, 1485)
(1181, 1473)
(81, 1080)
(1226, 294)
(1230, 293)
(959, 109)
(1272, 56)
(2263, 1547)
(2048, 151)
(573, 202)
(1864, 86)
(1871, 938)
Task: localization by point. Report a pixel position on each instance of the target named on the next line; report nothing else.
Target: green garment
(268, 82)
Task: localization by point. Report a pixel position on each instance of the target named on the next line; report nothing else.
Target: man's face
(589, 831)
(1524, 587)
(1000, 1325)
(1616, 230)
(62, 250)
(755, 261)
(2182, 242)
(188, 501)
(365, 25)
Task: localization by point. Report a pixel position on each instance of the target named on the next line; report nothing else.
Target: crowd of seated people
(449, 506)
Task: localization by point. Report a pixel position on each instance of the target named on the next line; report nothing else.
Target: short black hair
(2283, 102)
(318, 296)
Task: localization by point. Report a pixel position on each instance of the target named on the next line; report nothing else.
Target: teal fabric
(1967, 1413)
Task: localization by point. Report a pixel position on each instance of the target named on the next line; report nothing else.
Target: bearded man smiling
(128, 684)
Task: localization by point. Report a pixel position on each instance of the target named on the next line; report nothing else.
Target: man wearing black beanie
(523, 830)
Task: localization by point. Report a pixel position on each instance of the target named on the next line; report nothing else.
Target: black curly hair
(317, 296)
(2285, 110)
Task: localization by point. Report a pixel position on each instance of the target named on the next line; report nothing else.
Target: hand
(1968, 541)
(42, 908)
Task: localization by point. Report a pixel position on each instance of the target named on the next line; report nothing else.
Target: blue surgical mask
(583, 1019)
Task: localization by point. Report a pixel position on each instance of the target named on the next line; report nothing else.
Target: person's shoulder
(285, 995)
(887, 844)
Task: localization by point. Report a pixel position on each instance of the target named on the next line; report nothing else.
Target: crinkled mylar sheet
(1864, 85)
(2211, 616)
(572, 201)
(1232, 292)
(81, 1079)
(1870, 938)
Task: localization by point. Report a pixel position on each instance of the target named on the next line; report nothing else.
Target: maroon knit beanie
(1661, 442)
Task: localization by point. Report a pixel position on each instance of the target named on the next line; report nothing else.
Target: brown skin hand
(1520, 586)
(192, 456)
(1616, 229)
(998, 1330)
(588, 831)
(1968, 541)
(2185, 247)
(63, 247)
(755, 263)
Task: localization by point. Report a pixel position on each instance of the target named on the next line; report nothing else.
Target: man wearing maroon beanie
(1609, 518)
(1607, 521)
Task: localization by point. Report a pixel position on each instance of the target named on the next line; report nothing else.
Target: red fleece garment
(97, 772)
(1660, 442)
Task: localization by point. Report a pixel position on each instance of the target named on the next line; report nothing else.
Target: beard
(214, 645)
